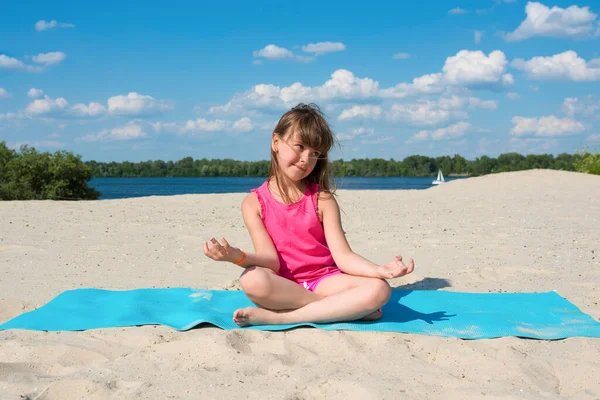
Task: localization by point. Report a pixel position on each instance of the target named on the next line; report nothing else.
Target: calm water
(120, 188)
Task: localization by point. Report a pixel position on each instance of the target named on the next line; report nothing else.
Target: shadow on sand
(395, 311)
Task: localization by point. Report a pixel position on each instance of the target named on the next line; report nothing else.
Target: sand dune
(513, 232)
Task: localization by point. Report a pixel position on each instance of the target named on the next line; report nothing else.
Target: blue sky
(135, 81)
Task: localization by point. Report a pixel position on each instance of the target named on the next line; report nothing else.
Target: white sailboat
(439, 179)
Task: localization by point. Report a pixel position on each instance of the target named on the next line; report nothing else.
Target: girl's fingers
(225, 243)
(216, 244)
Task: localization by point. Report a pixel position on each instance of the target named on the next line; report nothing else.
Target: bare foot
(255, 316)
(375, 315)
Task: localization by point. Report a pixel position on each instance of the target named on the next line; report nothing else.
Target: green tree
(588, 163)
(29, 175)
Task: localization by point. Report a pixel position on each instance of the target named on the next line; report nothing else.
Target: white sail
(439, 179)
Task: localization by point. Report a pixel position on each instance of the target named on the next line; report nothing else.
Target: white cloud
(342, 85)
(472, 68)
(419, 136)
(451, 132)
(594, 138)
(4, 94)
(468, 69)
(363, 111)
(200, 125)
(513, 96)
(91, 110)
(478, 35)
(362, 131)
(137, 104)
(345, 85)
(567, 22)
(12, 116)
(426, 113)
(49, 58)
(401, 56)
(42, 25)
(454, 131)
(242, 125)
(474, 102)
(204, 125)
(272, 51)
(60, 107)
(323, 47)
(127, 132)
(35, 93)
(12, 63)
(377, 140)
(47, 105)
(457, 10)
(564, 66)
(431, 113)
(546, 126)
(229, 108)
(586, 106)
(160, 126)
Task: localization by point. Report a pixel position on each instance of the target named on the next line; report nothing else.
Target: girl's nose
(305, 155)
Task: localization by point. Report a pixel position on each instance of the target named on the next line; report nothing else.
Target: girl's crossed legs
(338, 297)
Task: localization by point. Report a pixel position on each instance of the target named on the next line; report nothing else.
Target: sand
(513, 232)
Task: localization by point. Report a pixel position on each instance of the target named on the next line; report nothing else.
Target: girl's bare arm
(265, 254)
(347, 260)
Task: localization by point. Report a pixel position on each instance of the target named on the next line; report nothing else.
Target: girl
(303, 269)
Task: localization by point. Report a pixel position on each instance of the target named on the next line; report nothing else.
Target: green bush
(588, 163)
(29, 175)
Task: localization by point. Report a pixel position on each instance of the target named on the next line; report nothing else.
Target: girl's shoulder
(252, 203)
(324, 195)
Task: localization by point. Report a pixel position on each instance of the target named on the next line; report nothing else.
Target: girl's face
(296, 160)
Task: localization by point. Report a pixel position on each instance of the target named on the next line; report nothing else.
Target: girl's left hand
(395, 268)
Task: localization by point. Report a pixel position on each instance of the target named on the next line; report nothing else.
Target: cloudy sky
(117, 81)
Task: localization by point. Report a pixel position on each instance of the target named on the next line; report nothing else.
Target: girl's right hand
(395, 268)
(222, 251)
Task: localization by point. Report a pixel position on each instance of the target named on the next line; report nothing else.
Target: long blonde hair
(310, 124)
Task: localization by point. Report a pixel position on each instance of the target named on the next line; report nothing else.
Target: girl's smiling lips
(300, 168)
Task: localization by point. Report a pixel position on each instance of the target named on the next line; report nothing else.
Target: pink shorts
(312, 284)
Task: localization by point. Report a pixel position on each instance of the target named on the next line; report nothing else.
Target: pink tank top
(297, 234)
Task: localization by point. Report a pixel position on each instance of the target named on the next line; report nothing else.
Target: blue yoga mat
(439, 313)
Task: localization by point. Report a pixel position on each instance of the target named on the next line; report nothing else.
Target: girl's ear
(274, 142)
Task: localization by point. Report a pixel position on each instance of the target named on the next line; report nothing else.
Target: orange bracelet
(243, 258)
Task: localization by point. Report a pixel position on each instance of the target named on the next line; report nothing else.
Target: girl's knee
(380, 292)
(256, 282)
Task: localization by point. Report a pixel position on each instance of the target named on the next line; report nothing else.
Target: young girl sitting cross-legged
(303, 269)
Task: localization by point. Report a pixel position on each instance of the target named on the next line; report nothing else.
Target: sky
(147, 80)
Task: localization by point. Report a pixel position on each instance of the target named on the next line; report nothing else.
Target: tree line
(415, 165)
(27, 174)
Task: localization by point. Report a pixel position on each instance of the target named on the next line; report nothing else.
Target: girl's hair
(309, 124)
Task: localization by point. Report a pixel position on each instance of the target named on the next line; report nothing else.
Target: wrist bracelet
(243, 258)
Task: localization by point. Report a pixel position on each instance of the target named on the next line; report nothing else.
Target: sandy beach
(530, 231)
